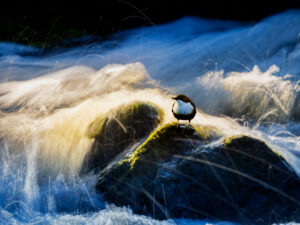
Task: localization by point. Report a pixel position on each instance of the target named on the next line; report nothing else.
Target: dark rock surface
(47, 24)
(114, 132)
(175, 174)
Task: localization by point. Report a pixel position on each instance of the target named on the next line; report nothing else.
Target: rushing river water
(244, 79)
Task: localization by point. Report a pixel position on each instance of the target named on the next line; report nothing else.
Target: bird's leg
(189, 124)
(177, 123)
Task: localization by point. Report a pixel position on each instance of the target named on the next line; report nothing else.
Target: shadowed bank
(49, 24)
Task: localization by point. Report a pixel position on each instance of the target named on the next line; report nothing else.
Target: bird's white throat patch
(183, 108)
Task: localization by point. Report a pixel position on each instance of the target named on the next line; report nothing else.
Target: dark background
(47, 24)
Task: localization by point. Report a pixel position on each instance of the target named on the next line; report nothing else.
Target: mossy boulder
(178, 172)
(125, 182)
(117, 130)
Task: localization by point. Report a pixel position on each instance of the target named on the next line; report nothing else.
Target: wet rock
(295, 114)
(174, 173)
(119, 129)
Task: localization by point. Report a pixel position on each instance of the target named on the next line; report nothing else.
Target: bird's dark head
(183, 98)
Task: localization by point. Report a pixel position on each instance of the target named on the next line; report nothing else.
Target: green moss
(165, 140)
(228, 140)
(148, 144)
(96, 126)
(125, 114)
(120, 128)
(206, 132)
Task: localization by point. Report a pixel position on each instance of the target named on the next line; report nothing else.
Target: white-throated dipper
(183, 108)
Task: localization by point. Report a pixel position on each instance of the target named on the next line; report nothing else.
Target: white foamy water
(243, 78)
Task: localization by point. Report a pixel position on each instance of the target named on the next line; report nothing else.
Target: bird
(183, 108)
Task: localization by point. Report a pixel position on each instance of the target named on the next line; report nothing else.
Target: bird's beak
(174, 98)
